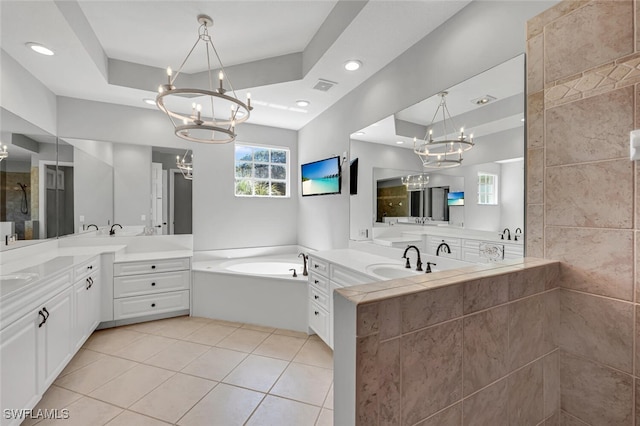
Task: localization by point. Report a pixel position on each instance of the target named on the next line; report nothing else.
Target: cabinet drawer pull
(153, 266)
(316, 281)
(315, 296)
(87, 284)
(153, 305)
(44, 319)
(90, 267)
(315, 265)
(316, 312)
(46, 312)
(153, 284)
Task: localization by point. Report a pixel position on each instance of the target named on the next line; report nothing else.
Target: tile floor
(195, 371)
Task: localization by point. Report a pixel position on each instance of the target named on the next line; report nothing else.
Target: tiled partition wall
(468, 347)
(583, 78)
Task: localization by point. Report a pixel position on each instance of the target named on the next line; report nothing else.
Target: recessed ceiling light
(358, 133)
(149, 101)
(37, 47)
(352, 65)
(399, 142)
(483, 100)
(302, 103)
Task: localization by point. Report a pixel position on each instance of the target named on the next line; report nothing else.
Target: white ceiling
(160, 33)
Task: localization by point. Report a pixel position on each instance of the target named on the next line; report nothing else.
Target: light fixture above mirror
(185, 164)
(213, 120)
(4, 153)
(415, 182)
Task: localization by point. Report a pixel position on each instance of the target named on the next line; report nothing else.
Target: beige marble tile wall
(583, 83)
(466, 347)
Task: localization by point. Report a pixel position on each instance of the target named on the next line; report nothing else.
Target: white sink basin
(391, 270)
(17, 278)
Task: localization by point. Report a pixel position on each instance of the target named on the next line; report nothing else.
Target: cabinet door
(95, 303)
(18, 364)
(54, 340)
(81, 312)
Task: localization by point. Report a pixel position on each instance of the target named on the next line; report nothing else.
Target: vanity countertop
(152, 255)
(454, 232)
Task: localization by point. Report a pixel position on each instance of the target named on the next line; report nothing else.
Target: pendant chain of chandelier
(447, 151)
(215, 114)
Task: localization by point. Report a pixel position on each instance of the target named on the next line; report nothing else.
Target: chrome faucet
(515, 237)
(508, 234)
(418, 262)
(444, 247)
(305, 258)
(93, 224)
(112, 231)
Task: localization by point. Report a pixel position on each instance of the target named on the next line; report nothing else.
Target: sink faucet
(418, 262)
(444, 247)
(112, 231)
(93, 224)
(515, 237)
(508, 234)
(305, 258)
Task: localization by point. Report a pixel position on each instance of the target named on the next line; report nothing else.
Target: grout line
(600, 296)
(600, 364)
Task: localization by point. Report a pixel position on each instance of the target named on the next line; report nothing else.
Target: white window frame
(490, 197)
(253, 179)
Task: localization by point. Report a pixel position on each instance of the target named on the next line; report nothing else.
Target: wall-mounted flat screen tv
(455, 199)
(353, 177)
(321, 177)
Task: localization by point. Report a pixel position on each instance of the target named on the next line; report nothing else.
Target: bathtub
(251, 286)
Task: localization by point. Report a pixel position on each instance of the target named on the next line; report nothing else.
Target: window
(261, 171)
(487, 189)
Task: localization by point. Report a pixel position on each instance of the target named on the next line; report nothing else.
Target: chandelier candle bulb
(169, 73)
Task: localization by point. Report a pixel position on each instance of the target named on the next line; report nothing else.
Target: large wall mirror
(489, 105)
(51, 187)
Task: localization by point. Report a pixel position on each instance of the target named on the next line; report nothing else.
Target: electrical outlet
(81, 218)
(143, 217)
(363, 233)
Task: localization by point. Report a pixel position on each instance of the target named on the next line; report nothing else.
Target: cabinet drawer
(318, 296)
(86, 268)
(319, 266)
(512, 251)
(345, 277)
(319, 321)
(150, 266)
(137, 285)
(436, 241)
(160, 303)
(319, 281)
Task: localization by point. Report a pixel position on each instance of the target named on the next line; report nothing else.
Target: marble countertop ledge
(151, 255)
(378, 291)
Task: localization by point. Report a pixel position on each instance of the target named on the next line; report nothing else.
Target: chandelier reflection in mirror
(4, 153)
(215, 114)
(445, 151)
(185, 164)
(415, 182)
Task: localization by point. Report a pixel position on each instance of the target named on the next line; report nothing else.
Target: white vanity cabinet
(150, 288)
(479, 251)
(324, 278)
(433, 242)
(87, 293)
(37, 345)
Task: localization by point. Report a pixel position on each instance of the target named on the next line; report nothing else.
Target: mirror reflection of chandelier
(415, 182)
(185, 164)
(446, 151)
(213, 116)
(4, 153)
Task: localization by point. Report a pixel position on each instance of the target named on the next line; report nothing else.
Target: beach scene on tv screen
(322, 177)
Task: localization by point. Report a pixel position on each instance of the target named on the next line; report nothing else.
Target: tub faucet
(515, 237)
(112, 231)
(418, 262)
(508, 234)
(444, 247)
(93, 224)
(294, 273)
(305, 258)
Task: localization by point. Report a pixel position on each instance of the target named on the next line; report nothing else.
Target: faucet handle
(295, 275)
(407, 265)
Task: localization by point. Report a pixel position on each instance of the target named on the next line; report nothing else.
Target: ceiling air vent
(324, 85)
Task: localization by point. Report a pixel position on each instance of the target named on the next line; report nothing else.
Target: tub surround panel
(598, 261)
(574, 131)
(551, 380)
(568, 37)
(451, 416)
(526, 399)
(526, 334)
(595, 393)
(427, 308)
(488, 407)
(527, 283)
(485, 293)
(597, 328)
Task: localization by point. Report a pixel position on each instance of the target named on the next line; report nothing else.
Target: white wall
(512, 195)
(93, 190)
(480, 36)
(222, 220)
(131, 184)
(480, 217)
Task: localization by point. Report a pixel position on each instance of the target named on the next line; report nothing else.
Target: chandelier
(214, 118)
(4, 153)
(185, 164)
(415, 182)
(446, 152)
